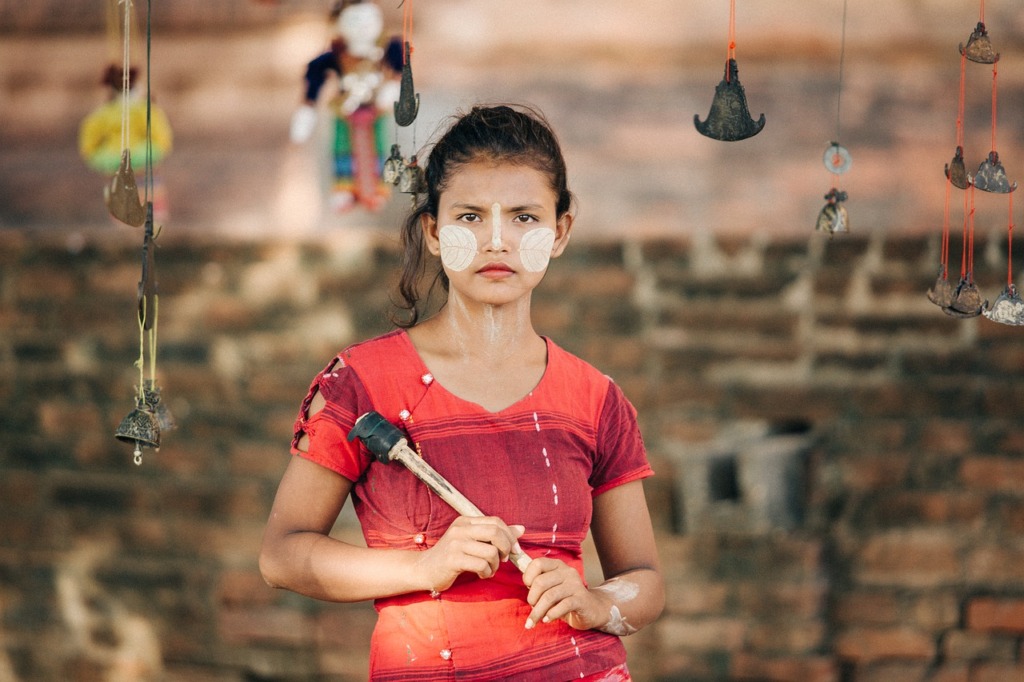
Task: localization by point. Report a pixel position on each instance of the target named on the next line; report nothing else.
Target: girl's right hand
(470, 545)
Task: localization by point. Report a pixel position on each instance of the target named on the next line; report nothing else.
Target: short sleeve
(621, 455)
(345, 399)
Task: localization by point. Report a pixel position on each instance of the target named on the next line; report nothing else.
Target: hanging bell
(151, 398)
(941, 293)
(140, 427)
(979, 47)
(729, 119)
(1008, 308)
(408, 104)
(991, 176)
(393, 166)
(833, 218)
(965, 300)
(956, 171)
(837, 159)
(412, 180)
(122, 194)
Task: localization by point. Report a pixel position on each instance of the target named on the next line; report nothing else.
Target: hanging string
(149, 102)
(960, 110)
(944, 250)
(994, 73)
(842, 60)
(970, 242)
(407, 28)
(732, 35)
(125, 76)
(981, 17)
(1009, 246)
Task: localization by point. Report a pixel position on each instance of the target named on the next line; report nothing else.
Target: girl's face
(496, 229)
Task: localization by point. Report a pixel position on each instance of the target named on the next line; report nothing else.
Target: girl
(532, 435)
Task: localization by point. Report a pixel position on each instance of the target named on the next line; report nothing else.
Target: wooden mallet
(387, 444)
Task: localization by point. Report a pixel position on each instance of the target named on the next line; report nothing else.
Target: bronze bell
(956, 171)
(729, 119)
(965, 300)
(1008, 308)
(833, 217)
(408, 104)
(991, 176)
(393, 166)
(412, 179)
(941, 293)
(979, 47)
(122, 194)
(140, 427)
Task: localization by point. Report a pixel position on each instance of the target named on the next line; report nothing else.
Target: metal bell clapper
(991, 176)
(1008, 308)
(408, 104)
(122, 194)
(729, 119)
(833, 218)
(979, 47)
(966, 300)
(140, 427)
(941, 293)
(956, 171)
(393, 166)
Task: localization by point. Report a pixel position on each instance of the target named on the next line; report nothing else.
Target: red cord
(994, 72)
(944, 253)
(732, 34)
(960, 110)
(1009, 246)
(970, 248)
(406, 28)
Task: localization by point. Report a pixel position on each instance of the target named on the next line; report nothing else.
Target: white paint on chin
(496, 226)
(535, 249)
(458, 247)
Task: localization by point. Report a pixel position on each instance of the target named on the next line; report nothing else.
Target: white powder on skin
(496, 226)
(620, 591)
(535, 249)
(458, 247)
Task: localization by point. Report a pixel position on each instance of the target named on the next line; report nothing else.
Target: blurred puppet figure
(367, 71)
(119, 123)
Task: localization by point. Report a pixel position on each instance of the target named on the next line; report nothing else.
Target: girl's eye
(525, 218)
(470, 217)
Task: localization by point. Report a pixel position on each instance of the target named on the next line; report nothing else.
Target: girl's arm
(633, 594)
(298, 553)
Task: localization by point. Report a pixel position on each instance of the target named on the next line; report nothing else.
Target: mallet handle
(447, 492)
(387, 444)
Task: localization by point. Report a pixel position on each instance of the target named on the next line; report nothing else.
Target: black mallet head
(377, 434)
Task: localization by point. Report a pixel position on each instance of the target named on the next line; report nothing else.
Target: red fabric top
(537, 463)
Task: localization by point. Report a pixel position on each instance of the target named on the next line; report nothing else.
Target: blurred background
(840, 466)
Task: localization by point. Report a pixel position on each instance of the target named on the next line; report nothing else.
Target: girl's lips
(495, 270)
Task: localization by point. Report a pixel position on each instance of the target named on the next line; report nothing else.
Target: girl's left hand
(557, 591)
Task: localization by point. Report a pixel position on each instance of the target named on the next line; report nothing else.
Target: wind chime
(833, 217)
(143, 425)
(964, 300)
(406, 174)
(729, 119)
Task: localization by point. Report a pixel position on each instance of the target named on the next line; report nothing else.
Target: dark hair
(508, 134)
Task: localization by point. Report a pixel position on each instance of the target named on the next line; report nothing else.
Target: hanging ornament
(1008, 308)
(366, 67)
(412, 179)
(145, 422)
(121, 195)
(408, 104)
(833, 218)
(979, 46)
(956, 170)
(729, 119)
(991, 176)
(393, 166)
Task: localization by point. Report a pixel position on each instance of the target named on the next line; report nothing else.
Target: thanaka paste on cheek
(496, 226)
(535, 248)
(458, 247)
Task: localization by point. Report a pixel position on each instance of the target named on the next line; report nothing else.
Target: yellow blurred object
(99, 137)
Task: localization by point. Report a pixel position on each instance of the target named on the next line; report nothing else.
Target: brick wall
(815, 364)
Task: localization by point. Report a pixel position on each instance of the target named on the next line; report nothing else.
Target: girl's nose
(497, 242)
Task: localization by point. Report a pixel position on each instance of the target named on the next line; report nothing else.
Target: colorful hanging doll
(367, 72)
(111, 125)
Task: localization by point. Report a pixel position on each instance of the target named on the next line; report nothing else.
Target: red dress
(537, 463)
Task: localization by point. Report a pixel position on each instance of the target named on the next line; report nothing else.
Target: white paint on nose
(496, 226)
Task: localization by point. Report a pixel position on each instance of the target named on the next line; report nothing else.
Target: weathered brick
(993, 473)
(911, 559)
(750, 666)
(989, 614)
(961, 645)
(863, 644)
(995, 566)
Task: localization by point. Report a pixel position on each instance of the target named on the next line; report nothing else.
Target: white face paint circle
(458, 247)
(535, 248)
